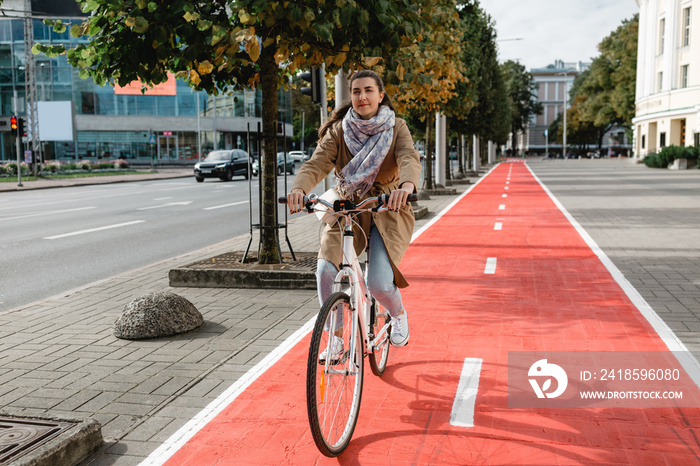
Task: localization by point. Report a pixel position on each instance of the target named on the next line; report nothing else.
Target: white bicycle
(348, 327)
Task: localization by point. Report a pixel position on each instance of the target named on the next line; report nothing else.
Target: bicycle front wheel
(380, 352)
(334, 375)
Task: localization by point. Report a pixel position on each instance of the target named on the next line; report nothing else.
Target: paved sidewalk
(159, 173)
(59, 357)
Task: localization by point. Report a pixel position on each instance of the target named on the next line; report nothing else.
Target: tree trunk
(268, 250)
(460, 153)
(448, 162)
(428, 153)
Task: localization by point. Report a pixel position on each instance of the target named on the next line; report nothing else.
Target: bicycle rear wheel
(380, 352)
(334, 390)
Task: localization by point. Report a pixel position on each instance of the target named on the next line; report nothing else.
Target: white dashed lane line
(490, 268)
(92, 230)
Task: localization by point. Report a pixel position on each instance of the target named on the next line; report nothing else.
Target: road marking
(465, 399)
(162, 198)
(225, 205)
(507, 182)
(506, 187)
(52, 212)
(502, 207)
(504, 195)
(91, 230)
(169, 204)
(498, 226)
(490, 268)
(161, 454)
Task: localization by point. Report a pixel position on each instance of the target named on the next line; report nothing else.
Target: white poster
(55, 120)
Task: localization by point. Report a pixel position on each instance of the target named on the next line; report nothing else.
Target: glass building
(109, 123)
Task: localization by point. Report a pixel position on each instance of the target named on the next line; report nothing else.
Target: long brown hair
(339, 113)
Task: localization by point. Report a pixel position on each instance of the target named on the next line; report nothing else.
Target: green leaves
(138, 24)
(49, 51)
(92, 5)
(605, 92)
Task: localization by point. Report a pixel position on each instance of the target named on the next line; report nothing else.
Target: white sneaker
(337, 350)
(399, 330)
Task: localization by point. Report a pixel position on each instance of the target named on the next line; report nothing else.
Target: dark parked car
(223, 164)
(280, 165)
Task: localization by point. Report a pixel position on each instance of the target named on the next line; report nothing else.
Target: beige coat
(402, 164)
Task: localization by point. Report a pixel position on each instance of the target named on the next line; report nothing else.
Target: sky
(568, 30)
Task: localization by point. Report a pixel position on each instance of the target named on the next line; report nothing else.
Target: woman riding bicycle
(372, 153)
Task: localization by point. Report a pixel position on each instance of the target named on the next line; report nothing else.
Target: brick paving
(59, 357)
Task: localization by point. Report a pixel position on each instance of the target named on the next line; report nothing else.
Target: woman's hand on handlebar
(398, 197)
(295, 201)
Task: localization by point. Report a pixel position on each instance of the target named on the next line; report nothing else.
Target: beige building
(553, 86)
(668, 75)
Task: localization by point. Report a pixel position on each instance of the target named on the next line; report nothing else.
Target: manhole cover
(19, 436)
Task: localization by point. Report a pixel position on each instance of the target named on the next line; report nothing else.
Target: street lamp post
(565, 104)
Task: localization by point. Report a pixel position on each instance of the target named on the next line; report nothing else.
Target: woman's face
(366, 97)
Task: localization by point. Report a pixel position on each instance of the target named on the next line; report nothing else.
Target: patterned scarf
(369, 142)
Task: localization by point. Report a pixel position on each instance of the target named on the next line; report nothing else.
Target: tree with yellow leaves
(426, 73)
(225, 45)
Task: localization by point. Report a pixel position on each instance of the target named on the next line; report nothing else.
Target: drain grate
(20, 436)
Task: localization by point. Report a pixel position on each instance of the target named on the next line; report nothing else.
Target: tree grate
(306, 261)
(20, 436)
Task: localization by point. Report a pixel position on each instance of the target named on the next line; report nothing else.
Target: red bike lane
(503, 270)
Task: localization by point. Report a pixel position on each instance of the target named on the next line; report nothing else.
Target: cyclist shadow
(494, 423)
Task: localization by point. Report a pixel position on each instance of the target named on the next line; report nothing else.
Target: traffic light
(314, 77)
(13, 125)
(20, 127)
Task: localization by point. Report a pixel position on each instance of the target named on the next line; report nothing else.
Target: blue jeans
(380, 276)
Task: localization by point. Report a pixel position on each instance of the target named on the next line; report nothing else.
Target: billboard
(169, 87)
(55, 120)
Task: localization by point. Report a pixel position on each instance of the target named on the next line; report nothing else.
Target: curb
(227, 271)
(441, 192)
(230, 278)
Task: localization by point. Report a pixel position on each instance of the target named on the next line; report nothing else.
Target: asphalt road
(55, 240)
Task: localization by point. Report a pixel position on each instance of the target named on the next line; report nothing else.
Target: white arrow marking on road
(225, 205)
(52, 212)
(465, 399)
(91, 230)
(169, 204)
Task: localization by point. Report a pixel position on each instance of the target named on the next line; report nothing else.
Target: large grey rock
(157, 315)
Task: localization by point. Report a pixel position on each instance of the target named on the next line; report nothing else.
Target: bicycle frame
(360, 296)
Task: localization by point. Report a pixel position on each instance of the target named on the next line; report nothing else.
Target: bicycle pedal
(334, 362)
